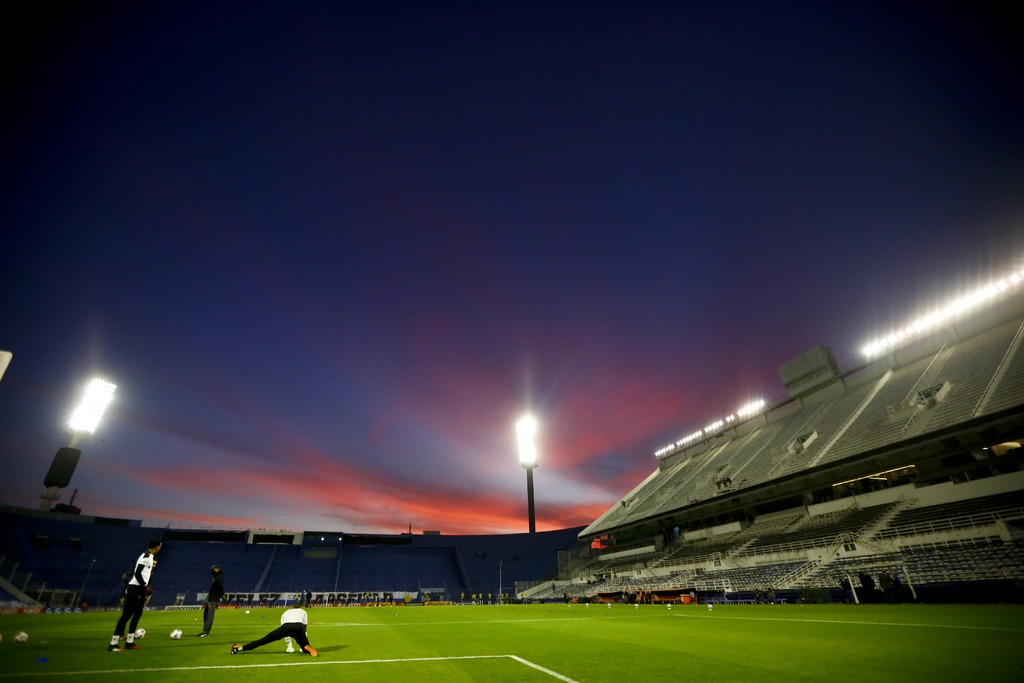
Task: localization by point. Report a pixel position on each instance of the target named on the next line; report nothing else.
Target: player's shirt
(295, 616)
(143, 566)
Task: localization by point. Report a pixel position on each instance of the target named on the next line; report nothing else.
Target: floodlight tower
(83, 424)
(5, 360)
(526, 428)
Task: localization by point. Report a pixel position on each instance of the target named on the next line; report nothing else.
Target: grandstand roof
(959, 387)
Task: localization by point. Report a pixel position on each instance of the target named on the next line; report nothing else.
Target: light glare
(87, 416)
(745, 411)
(958, 306)
(526, 428)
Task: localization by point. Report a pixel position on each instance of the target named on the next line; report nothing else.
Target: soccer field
(541, 643)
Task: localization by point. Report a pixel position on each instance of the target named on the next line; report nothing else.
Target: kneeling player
(293, 625)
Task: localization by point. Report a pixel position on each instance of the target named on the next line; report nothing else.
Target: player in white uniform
(135, 597)
(293, 625)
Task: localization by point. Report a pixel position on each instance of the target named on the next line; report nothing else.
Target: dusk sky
(330, 252)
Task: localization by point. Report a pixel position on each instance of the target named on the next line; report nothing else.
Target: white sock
(113, 641)
(131, 638)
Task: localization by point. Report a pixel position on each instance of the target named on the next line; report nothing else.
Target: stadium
(294, 295)
(882, 498)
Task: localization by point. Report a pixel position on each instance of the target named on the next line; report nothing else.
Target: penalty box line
(528, 663)
(861, 623)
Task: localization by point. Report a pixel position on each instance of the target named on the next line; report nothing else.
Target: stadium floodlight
(87, 416)
(526, 430)
(83, 423)
(956, 308)
(718, 425)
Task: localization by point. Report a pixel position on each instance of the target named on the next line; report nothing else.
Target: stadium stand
(907, 464)
(55, 552)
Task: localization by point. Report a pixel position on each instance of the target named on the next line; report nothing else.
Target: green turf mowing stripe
(538, 667)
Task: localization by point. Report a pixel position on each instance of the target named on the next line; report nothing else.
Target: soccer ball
(176, 634)
(21, 637)
(246, 611)
(141, 633)
(711, 607)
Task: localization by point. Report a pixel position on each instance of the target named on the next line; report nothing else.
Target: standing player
(293, 625)
(213, 596)
(135, 597)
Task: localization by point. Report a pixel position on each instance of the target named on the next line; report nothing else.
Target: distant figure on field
(213, 597)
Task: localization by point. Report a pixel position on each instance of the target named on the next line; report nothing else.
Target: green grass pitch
(541, 643)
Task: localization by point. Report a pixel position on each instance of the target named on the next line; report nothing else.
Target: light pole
(526, 429)
(81, 597)
(83, 423)
(500, 562)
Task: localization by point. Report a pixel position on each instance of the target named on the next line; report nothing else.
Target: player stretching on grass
(293, 625)
(135, 597)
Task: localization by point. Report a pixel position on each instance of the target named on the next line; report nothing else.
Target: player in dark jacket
(213, 597)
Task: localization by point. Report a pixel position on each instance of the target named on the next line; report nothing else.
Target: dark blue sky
(330, 252)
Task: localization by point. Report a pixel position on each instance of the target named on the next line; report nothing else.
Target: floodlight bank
(746, 411)
(945, 314)
(87, 416)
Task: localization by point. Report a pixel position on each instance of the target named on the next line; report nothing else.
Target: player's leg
(119, 629)
(209, 609)
(138, 602)
(123, 620)
(298, 632)
(276, 634)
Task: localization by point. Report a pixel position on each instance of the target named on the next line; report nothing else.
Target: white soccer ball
(21, 637)
(141, 633)
(246, 611)
(710, 607)
(176, 634)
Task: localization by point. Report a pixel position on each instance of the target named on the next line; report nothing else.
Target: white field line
(549, 672)
(865, 623)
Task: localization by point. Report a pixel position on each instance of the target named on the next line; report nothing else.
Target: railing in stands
(974, 521)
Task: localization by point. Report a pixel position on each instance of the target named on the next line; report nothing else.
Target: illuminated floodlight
(957, 307)
(526, 429)
(87, 416)
(717, 425)
(751, 408)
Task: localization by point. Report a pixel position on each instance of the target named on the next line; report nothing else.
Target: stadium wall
(61, 551)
